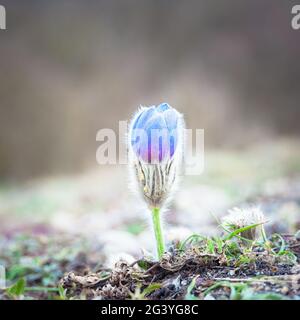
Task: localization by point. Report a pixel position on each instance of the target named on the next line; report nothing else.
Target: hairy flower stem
(160, 245)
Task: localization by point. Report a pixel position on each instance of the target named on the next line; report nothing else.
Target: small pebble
(231, 272)
(184, 282)
(209, 297)
(285, 290)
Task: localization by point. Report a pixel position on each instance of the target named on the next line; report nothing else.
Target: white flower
(243, 217)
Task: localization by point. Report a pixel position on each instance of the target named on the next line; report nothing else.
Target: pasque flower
(155, 154)
(154, 134)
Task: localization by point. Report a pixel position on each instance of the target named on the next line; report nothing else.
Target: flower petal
(171, 118)
(155, 132)
(143, 117)
(163, 107)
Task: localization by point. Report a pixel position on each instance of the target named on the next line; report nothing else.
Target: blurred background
(70, 68)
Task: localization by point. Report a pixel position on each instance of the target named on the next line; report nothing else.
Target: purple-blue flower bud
(155, 151)
(155, 132)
